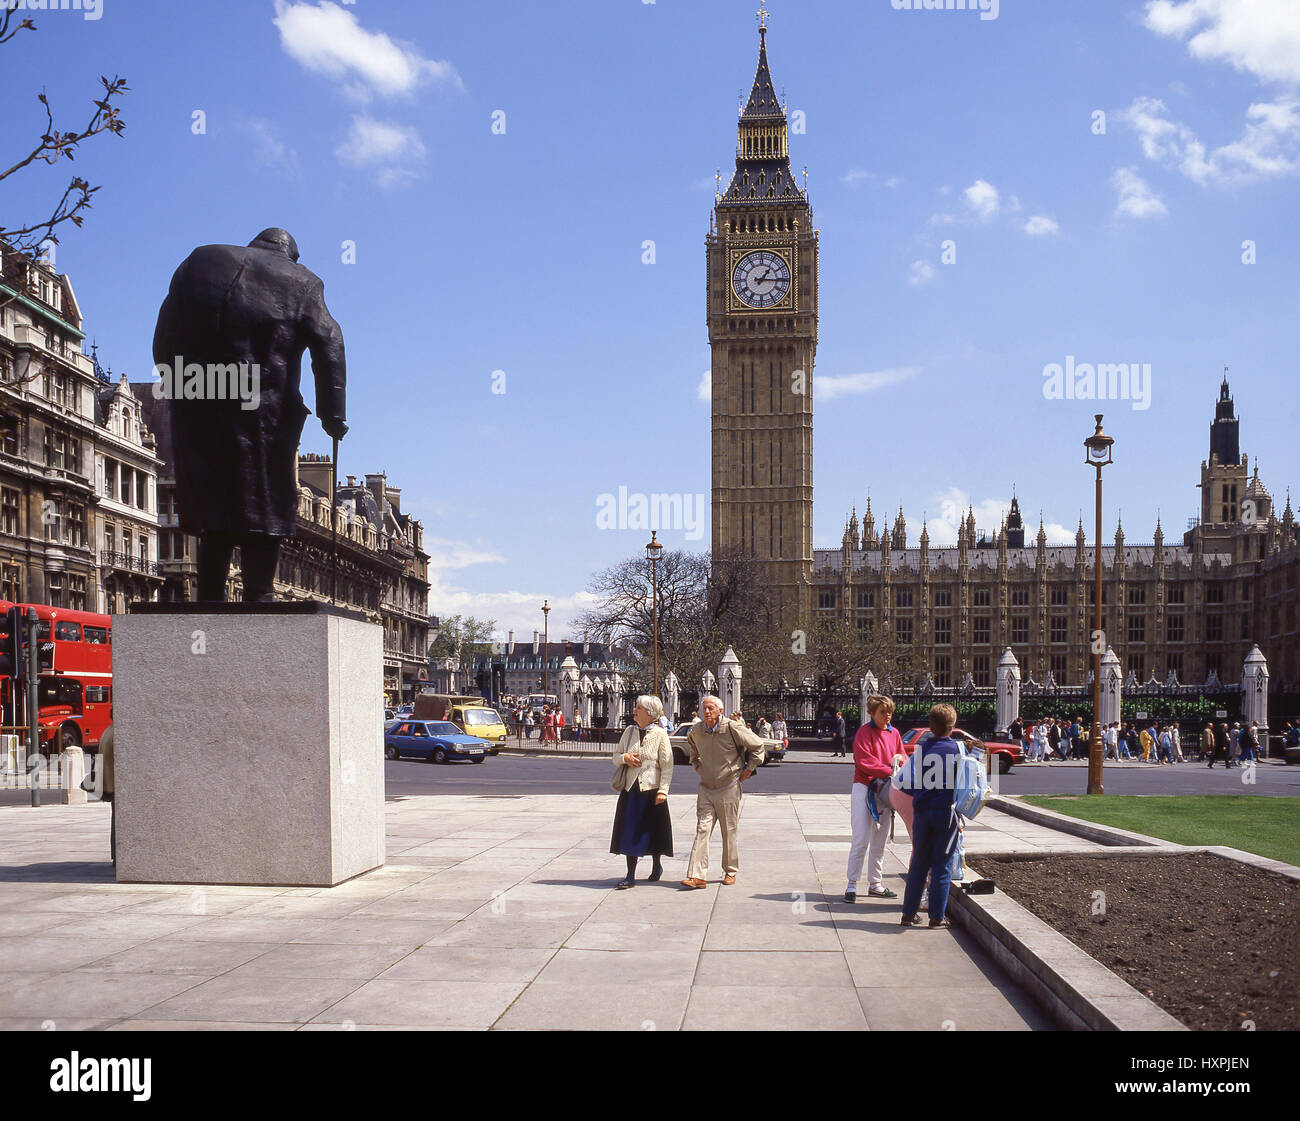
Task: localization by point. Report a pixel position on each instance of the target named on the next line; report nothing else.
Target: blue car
(437, 741)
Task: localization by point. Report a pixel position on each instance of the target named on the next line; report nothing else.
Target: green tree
(463, 637)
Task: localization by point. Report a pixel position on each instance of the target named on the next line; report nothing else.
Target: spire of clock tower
(763, 171)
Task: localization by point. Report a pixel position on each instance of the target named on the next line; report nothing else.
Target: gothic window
(1060, 595)
(1213, 593)
(1137, 628)
(903, 631)
(1174, 628)
(1057, 664)
(981, 597)
(1214, 627)
(942, 669)
(980, 635)
(1137, 596)
(943, 631)
(903, 598)
(1174, 593)
(943, 598)
(980, 670)
(826, 600)
(866, 599)
(1019, 597)
(1020, 629)
(1058, 631)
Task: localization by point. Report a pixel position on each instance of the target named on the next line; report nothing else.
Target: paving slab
(496, 913)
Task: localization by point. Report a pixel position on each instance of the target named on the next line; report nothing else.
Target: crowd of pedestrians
(1159, 744)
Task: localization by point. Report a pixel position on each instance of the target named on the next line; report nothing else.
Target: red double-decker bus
(74, 688)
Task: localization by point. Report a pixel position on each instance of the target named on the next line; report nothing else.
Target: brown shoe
(693, 884)
(728, 879)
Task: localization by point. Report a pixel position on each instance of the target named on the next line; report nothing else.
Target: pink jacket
(874, 751)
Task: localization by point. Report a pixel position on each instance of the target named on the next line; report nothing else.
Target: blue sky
(479, 251)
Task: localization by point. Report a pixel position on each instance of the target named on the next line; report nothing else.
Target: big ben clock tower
(762, 291)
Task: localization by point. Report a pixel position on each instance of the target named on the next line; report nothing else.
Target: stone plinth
(248, 744)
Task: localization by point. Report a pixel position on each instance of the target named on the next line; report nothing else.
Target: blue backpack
(971, 788)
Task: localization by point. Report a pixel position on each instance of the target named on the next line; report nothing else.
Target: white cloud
(921, 272)
(386, 147)
(1270, 144)
(1261, 37)
(520, 611)
(269, 150)
(327, 40)
(983, 198)
(1040, 225)
(829, 388)
(954, 504)
(853, 178)
(704, 391)
(1136, 198)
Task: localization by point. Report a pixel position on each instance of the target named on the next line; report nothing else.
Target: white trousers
(869, 839)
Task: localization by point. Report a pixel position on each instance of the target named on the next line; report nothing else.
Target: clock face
(761, 279)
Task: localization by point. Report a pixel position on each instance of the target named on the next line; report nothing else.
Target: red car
(1007, 752)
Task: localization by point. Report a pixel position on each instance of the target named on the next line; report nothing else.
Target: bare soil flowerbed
(1214, 943)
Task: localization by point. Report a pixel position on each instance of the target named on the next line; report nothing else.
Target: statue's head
(278, 241)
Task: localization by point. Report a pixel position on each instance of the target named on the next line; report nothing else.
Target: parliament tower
(762, 314)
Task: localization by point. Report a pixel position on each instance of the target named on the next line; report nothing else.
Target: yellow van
(472, 715)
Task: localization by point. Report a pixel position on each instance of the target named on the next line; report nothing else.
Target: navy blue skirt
(640, 827)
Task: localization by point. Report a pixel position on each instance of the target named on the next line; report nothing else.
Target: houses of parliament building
(1181, 611)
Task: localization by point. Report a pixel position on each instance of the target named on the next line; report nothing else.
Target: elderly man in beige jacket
(724, 753)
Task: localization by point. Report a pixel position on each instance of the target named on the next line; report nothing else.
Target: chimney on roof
(375, 485)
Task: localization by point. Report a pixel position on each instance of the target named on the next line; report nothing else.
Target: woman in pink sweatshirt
(874, 749)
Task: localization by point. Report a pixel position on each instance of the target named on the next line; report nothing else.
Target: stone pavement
(496, 912)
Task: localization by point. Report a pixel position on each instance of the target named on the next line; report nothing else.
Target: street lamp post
(546, 637)
(1099, 456)
(652, 552)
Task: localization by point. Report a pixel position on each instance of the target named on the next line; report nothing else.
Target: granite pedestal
(248, 744)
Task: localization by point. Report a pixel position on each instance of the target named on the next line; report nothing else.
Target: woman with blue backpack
(932, 776)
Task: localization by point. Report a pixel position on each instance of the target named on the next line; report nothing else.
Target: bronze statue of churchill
(235, 453)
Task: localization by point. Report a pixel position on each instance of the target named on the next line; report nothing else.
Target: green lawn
(1266, 826)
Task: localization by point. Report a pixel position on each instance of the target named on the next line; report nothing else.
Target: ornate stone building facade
(762, 316)
(48, 393)
(126, 483)
(1189, 609)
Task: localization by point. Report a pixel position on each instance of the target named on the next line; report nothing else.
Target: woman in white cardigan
(645, 768)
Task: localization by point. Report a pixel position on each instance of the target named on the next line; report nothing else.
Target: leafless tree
(27, 242)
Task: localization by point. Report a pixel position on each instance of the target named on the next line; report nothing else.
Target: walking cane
(334, 523)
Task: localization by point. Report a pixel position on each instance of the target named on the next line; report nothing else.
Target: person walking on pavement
(1207, 744)
(104, 765)
(1166, 742)
(644, 760)
(724, 754)
(1249, 741)
(1053, 736)
(874, 749)
(1221, 740)
(841, 731)
(934, 820)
